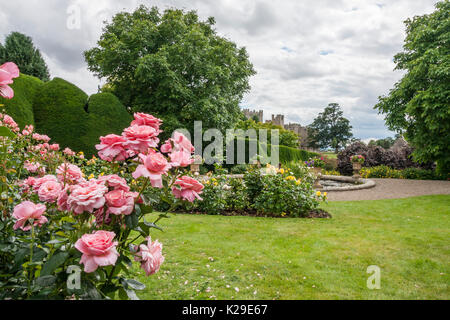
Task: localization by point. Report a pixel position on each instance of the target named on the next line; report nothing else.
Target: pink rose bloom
(54, 147)
(120, 202)
(27, 184)
(87, 196)
(166, 147)
(31, 166)
(112, 148)
(8, 71)
(28, 211)
(49, 191)
(41, 137)
(181, 158)
(98, 249)
(150, 256)
(140, 138)
(182, 143)
(115, 182)
(9, 122)
(69, 173)
(189, 189)
(143, 119)
(153, 166)
(69, 152)
(40, 181)
(102, 217)
(62, 198)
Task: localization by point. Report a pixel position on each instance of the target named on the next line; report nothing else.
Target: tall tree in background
(419, 104)
(330, 129)
(20, 49)
(173, 65)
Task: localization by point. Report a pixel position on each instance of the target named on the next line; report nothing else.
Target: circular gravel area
(392, 189)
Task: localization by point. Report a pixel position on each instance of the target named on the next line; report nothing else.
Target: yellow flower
(213, 179)
(318, 193)
(283, 214)
(298, 182)
(281, 171)
(207, 182)
(91, 176)
(102, 174)
(215, 183)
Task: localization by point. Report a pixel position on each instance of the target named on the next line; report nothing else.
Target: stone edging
(366, 183)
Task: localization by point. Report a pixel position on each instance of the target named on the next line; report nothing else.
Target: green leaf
(131, 294)
(6, 132)
(54, 262)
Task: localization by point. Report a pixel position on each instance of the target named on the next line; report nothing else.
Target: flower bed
(71, 228)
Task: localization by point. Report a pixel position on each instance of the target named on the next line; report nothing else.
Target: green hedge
(64, 113)
(286, 154)
(106, 115)
(20, 108)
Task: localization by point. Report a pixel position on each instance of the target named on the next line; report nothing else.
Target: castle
(278, 120)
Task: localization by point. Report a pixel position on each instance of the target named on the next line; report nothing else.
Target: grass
(216, 257)
(329, 154)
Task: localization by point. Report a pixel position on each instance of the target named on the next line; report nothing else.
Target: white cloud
(307, 53)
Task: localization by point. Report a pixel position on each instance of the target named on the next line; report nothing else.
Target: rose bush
(61, 212)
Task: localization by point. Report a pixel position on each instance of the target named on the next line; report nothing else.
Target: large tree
(330, 129)
(172, 65)
(419, 104)
(20, 49)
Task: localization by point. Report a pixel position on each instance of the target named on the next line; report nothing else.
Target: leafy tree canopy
(19, 48)
(330, 129)
(419, 104)
(173, 65)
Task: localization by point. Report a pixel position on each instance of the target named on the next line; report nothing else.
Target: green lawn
(207, 257)
(330, 154)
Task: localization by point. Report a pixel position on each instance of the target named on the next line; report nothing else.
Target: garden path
(393, 189)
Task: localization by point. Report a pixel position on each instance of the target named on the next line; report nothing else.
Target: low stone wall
(365, 183)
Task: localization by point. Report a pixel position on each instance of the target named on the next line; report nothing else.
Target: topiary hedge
(21, 106)
(106, 115)
(64, 113)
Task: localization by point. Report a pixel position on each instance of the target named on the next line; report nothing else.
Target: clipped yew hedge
(21, 106)
(63, 112)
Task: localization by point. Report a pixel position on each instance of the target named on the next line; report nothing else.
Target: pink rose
(40, 181)
(188, 189)
(102, 217)
(69, 152)
(31, 166)
(49, 191)
(41, 137)
(143, 119)
(54, 147)
(69, 173)
(120, 202)
(181, 158)
(28, 211)
(112, 148)
(115, 182)
(98, 249)
(9, 122)
(8, 71)
(153, 166)
(62, 198)
(182, 143)
(140, 138)
(87, 196)
(150, 256)
(166, 147)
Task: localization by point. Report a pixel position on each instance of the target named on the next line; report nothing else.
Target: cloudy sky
(307, 53)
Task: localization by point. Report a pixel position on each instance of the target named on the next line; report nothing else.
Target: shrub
(59, 113)
(84, 121)
(283, 195)
(408, 173)
(239, 169)
(376, 156)
(20, 108)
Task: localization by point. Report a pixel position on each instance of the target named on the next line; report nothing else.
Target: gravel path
(392, 189)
